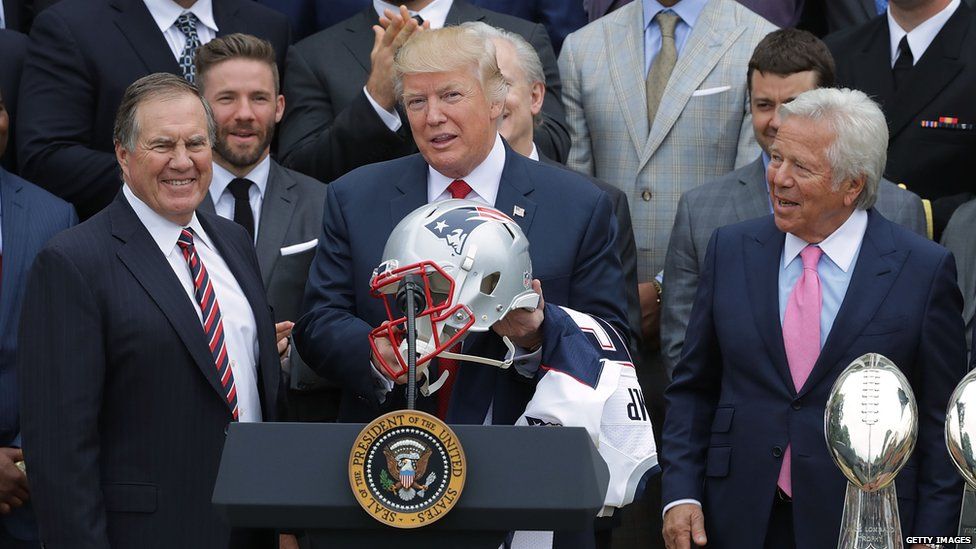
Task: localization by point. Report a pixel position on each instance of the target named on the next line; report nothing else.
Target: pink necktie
(801, 336)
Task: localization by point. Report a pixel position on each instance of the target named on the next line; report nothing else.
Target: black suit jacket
(123, 415)
(13, 49)
(935, 163)
(83, 54)
(330, 128)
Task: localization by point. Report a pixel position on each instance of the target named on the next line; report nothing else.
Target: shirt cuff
(391, 119)
(678, 502)
(382, 384)
(526, 362)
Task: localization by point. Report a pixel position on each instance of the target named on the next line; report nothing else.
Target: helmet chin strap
(428, 388)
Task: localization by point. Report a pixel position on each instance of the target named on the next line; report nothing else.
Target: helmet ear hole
(490, 282)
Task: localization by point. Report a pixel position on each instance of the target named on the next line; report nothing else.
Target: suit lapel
(712, 36)
(413, 190)
(462, 12)
(514, 189)
(938, 66)
(276, 212)
(136, 23)
(359, 37)
(764, 251)
(876, 269)
(871, 67)
(141, 256)
(228, 22)
(752, 200)
(626, 56)
(16, 220)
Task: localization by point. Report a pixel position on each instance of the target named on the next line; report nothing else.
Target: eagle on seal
(403, 467)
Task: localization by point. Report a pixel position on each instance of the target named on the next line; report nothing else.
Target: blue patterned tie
(187, 24)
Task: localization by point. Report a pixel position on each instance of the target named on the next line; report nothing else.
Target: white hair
(860, 145)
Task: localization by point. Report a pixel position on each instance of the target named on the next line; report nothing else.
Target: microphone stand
(410, 289)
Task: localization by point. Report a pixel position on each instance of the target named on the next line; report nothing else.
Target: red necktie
(459, 189)
(213, 325)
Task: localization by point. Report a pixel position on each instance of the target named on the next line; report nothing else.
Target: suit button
(777, 452)
(797, 404)
(646, 195)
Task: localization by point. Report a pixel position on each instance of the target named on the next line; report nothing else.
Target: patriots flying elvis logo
(455, 225)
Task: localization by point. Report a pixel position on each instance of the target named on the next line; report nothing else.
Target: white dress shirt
(240, 328)
(483, 180)
(224, 201)
(436, 14)
(921, 36)
(166, 12)
(3, 19)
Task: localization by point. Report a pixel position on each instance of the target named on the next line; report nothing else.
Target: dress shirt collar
(534, 155)
(435, 12)
(166, 12)
(222, 178)
(483, 180)
(687, 10)
(841, 246)
(921, 36)
(162, 230)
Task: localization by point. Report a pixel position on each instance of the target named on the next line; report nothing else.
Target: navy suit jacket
(732, 408)
(82, 56)
(571, 229)
(560, 17)
(30, 216)
(14, 47)
(123, 414)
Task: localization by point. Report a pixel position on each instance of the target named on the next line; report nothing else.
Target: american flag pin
(519, 211)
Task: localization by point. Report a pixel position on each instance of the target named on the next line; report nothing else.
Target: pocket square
(299, 248)
(710, 91)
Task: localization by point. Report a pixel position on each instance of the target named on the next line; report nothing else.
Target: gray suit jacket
(958, 237)
(291, 213)
(737, 196)
(702, 129)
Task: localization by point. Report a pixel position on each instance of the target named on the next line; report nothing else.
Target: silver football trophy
(871, 424)
(960, 434)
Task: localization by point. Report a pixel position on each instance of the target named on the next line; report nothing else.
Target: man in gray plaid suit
(785, 64)
(684, 62)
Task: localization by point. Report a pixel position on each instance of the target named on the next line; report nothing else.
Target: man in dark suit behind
(453, 105)
(919, 62)
(784, 304)
(82, 56)
(280, 208)
(145, 332)
(341, 107)
(14, 47)
(29, 216)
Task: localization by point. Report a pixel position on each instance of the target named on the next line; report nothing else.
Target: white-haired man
(784, 304)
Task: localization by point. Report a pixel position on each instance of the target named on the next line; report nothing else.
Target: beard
(244, 157)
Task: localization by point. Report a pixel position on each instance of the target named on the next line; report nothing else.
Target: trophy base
(870, 520)
(967, 518)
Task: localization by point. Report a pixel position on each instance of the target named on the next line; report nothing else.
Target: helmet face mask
(472, 266)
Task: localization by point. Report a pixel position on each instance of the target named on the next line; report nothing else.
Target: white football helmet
(472, 265)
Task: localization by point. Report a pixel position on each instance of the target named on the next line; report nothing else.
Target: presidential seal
(407, 469)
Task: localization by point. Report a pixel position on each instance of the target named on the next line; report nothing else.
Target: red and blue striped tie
(213, 325)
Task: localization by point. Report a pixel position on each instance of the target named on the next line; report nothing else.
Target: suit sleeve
(692, 395)
(680, 282)
(332, 340)
(748, 148)
(56, 119)
(914, 216)
(580, 154)
(62, 373)
(627, 251)
(323, 142)
(552, 136)
(941, 365)
(598, 280)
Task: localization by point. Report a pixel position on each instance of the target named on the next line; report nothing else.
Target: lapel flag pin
(519, 211)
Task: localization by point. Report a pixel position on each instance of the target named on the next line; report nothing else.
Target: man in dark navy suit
(453, 93)
(82, 56)
(145, 332)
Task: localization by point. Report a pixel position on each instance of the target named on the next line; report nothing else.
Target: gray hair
(860, 145)
(528, 58)
(162, 86)
(448, 49)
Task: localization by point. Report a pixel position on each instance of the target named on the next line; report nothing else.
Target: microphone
(411, 283)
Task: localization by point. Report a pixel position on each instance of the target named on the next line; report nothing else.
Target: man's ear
(122, 156)
(279, 108)
(853, 188)
(538, 96)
